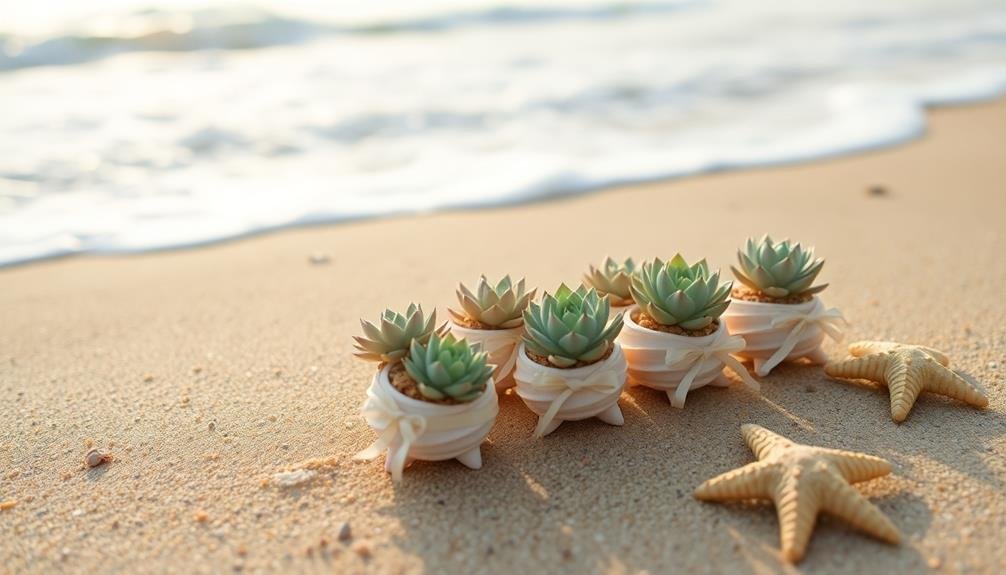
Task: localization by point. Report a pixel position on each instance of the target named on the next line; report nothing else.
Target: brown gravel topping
(649, 323)
(747, 294)
(543, 360)
(470, 323)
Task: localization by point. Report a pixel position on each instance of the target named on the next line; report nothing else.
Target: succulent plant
(570, 326)
(778, 269)
(500, 306)
(448, 368)
(390, 342)
(675, 293)
(612, 279)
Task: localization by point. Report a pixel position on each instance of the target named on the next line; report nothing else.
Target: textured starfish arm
(905, 382)
(849, 504)
(762, 441)
(936, 354)
(797, 504)
(870, 367)
(861, 348)
(856, 467)
(945, 382)
(753, 481)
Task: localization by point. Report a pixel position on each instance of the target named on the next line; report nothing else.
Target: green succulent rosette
(499, 306)
(778, 269)
(448, 368)
(674, 293)
(570, 326)
(389, 339)
(612, 279)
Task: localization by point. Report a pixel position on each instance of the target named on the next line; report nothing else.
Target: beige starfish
(803, 480)
(906, 370)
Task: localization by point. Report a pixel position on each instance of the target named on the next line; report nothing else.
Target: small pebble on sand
(345, 532)
(201, 516)
(95, 458)
(362, 549)
(9, 504)
(293, 478)
(319, 258)
(876, 190)
(148, 377)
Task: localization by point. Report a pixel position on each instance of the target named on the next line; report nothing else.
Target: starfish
(906, 370)
(803, 481)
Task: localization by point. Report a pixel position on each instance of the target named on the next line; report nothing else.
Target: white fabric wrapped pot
(558, 395)
(677, 364)
(500, 344)
(413, 429)
(779, 332)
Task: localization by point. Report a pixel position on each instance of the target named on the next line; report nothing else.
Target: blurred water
(129, 128)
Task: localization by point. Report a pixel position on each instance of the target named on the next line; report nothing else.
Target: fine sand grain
(221, 382)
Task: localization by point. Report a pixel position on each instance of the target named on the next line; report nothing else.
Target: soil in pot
(403, 382)
(649, 323)
(543, 360)
(470, 323)
(745, 293)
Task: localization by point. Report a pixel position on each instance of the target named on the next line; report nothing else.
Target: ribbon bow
(408, 426)
(602, 381)
(381, 407)
(827, 320)
(720, 348)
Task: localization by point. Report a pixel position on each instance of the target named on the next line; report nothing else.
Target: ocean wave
(244, 28)
(859, 118)
(162, 32)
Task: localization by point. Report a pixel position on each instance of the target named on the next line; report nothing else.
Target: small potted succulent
(612, 280)
(777, 310)
(569, 366)
(673, 339)
(390, 342)
(430, 401)
(492, 315)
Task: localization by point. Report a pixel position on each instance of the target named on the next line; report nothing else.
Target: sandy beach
(207, 372)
